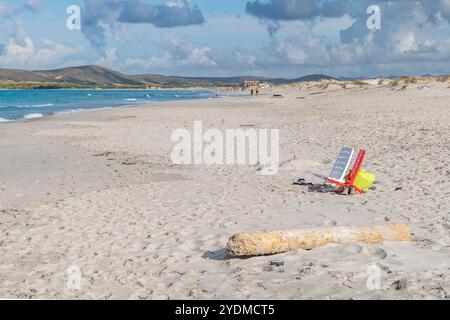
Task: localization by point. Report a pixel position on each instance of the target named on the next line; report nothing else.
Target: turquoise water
(29, 104)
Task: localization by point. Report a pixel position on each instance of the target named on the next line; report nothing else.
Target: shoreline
(139, 104)
(68, 113)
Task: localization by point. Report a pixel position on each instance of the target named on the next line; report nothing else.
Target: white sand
(98, 190)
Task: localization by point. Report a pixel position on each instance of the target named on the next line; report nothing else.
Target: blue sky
(278, 38)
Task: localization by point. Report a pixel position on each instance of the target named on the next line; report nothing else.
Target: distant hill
(85, 75)
(312, 77)
(99, 76)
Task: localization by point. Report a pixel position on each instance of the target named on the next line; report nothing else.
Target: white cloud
(109, 58)
(177, 52)
(7, 10)
(187, 53)
(33, 5)
(406, 43)
(26, 55)
(156, 62)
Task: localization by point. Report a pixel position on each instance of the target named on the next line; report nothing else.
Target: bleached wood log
(273, 242)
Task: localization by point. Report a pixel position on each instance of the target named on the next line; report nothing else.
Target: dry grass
(407, 80)
(360, 83)
(396, 82)
(324, 86)
(412, 80)
(443, 79)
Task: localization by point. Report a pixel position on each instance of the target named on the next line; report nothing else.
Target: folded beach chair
(339, 175)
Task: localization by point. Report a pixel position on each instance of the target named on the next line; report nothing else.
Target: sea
(16, 105)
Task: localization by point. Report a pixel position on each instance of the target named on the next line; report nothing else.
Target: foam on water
(46, 105)
(33, 116)
(43, 105)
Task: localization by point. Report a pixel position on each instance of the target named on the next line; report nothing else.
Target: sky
(274, 38)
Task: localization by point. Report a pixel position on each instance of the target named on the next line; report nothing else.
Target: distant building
(253, 86)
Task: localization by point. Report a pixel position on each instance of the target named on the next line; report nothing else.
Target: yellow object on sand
(364, 180)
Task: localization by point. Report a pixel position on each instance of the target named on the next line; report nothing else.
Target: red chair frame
(351, 177)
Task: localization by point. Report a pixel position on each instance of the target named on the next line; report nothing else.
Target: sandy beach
(98, 190)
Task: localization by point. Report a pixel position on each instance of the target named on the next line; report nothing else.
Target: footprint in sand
(374, 252)
(330, 223)
(353, 249)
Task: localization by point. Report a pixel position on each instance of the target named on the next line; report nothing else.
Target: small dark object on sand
(398, 189)
(277, 263)
(302, 182)
(278, 96)
(400, 284)
(315, 187)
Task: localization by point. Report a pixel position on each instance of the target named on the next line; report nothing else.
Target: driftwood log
(273, 242)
